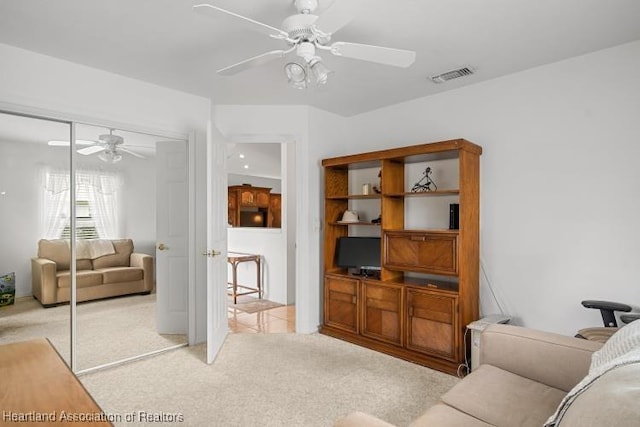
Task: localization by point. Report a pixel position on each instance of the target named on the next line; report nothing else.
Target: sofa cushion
(612, 400)
(57, 250)
(120, 274)
(441, 415)
(123, 248)
(84, 279)
(503, 399)
(83, 264)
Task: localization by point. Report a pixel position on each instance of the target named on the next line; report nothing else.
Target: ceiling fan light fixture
(319, 70)
(296, 75)
(109, 156)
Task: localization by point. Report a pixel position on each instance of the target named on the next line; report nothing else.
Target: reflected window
(96, 205)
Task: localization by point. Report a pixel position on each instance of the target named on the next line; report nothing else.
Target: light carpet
(270, 380)
(108, 330)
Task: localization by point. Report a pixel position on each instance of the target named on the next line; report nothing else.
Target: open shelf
(433, 193)
(354, 223)
(355, 197)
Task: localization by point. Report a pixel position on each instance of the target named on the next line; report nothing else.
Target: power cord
(463, 368)
(486, 278)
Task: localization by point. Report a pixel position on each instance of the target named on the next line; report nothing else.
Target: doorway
(258, 187)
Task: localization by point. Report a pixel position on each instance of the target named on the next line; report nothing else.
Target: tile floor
(276, 320)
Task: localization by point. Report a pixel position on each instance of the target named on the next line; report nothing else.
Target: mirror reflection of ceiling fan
(308, 34)
(108, 147)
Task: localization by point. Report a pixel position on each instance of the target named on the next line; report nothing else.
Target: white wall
(138, 195)
(559, 186)
(41, 84)
(268, 243)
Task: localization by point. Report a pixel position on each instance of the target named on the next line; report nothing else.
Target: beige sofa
(104, 269)
(524, 377)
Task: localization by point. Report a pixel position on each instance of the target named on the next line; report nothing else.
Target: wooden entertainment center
(427, 290)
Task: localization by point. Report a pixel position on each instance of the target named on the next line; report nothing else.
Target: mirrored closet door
(35, 204)
(116, 207)
(108, 207)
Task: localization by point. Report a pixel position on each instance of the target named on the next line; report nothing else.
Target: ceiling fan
(110, 147)
(306, 34)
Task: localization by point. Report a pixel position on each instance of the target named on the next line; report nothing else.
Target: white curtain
(99, 188)
(102, 195)
(56, 203)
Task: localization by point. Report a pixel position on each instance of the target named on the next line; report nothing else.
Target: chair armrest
(360, 419)
(555, 360)
(145, 262)
(607, 309)
(628, 318)
(43, 280)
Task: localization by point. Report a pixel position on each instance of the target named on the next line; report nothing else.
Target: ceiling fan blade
(206, 8)
(338, 15)
(55, 143)
(252, 62)
(381, 55)
(140, 156)
(91, 150)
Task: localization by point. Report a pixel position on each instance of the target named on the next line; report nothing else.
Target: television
(361, 253)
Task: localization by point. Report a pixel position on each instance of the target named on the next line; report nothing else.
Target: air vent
(453, 74)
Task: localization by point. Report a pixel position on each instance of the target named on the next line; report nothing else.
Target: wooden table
(235, 258)
(37, 388)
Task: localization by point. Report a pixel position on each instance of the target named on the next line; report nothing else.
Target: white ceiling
(260, 159)
(164, 42)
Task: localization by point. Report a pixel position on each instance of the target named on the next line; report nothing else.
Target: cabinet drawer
(341, 303)
(419, 251)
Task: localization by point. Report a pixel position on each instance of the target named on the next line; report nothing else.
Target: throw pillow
(623, 341)
(7, 289)
(623, 348)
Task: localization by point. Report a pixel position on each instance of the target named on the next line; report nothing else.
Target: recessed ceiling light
(246, 166)
(241, 156)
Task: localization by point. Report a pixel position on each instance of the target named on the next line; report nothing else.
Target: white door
(217, 322)
(172, 234)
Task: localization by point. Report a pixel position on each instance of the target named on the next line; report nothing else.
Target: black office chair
(607, 310)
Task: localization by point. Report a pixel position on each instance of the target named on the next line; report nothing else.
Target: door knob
(162, 247)
(211, 253)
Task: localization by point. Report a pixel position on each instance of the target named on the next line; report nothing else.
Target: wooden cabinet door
(248, 197)
(341, 302)
(432, 325)
(233, 208)
(419, 251)
(275, 210)
(262, 198)
(382, 311)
